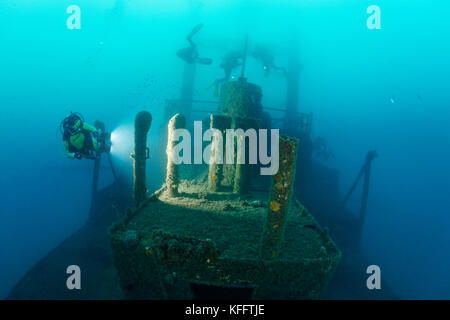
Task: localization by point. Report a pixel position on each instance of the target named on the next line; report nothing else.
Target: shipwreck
(221, 230)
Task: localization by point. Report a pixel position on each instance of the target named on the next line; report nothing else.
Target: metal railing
(302, 120)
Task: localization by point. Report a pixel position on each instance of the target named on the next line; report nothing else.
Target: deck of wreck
(214, 239)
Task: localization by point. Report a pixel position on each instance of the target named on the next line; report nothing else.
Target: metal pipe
(215, 175)
(280, 196)
(142, 124)
(243, 171)
(371, 155)
(244, 57)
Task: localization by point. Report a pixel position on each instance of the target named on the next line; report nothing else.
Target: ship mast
(293, 80)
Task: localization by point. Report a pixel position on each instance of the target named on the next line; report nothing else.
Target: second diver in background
(321, 150)
(266, 57)
(230, 61)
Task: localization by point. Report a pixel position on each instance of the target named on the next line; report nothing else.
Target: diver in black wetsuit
(230, 61)
(321, 149)
(267, 59)
(190, 54)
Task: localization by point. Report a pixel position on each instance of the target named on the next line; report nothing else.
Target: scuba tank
(73, 127)
(72, 124)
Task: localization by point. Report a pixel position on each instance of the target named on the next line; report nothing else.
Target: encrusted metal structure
(219, 237)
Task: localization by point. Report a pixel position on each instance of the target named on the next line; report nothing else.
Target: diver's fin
(196, 29)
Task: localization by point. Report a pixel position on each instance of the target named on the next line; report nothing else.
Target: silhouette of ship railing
(173, 106)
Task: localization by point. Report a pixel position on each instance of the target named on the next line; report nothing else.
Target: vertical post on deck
(172, 178)
(218, 145)
(244, 170)
(142, 125)
(280, 196)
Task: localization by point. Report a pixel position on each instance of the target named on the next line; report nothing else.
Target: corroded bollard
(280, 195)
(172, 179)
(215, 175)
(142, 124)
(244, 171)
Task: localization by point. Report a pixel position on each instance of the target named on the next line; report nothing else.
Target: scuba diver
(190, 54)
(321, 149)
(82, 140)
(230, 61)
(267, 59)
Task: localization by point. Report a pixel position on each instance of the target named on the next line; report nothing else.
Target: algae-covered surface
(171, 243)
(234, 224)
